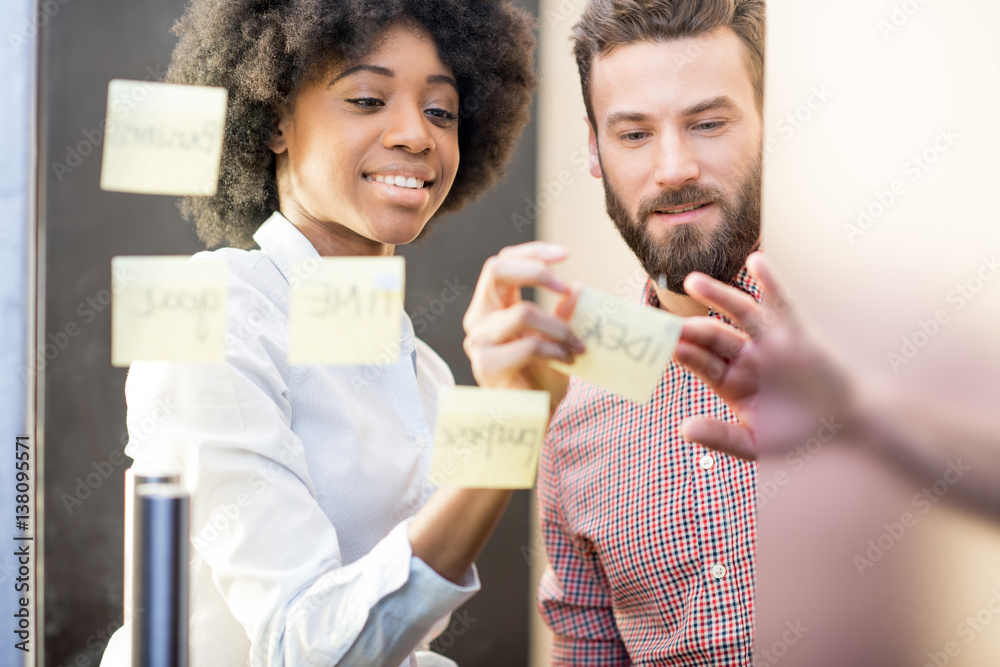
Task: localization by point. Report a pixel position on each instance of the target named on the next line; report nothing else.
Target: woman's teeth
(398, 181)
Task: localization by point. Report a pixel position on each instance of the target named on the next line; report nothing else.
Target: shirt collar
(743, 282)
(283, 243)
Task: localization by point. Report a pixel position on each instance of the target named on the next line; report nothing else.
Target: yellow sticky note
(628, 345)
(488, 438)
(168, 309)
(346, 310)
(163, 138)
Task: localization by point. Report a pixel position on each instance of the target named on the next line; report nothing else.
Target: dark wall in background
(84, 45)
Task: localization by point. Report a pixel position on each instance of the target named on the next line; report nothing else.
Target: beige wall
(868, 86)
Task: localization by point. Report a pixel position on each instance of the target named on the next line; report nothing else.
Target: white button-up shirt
(303, 480)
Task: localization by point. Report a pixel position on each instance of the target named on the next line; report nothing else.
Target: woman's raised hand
(509, 340)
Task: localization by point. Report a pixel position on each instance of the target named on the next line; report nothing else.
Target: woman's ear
(279, 143)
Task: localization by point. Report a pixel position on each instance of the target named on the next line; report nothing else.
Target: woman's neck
(331, 239)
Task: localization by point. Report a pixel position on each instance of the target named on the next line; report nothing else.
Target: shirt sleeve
(574, 596)
(388, 619)
(274, 554)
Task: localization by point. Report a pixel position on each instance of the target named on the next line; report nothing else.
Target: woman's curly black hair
(262, 51)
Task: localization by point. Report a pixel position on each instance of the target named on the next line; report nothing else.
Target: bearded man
(650, 537)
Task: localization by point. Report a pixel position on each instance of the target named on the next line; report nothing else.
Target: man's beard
(720, 253)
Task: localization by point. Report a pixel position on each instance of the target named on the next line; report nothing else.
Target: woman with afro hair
(317, 539)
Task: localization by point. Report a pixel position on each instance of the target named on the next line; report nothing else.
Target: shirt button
(421, 442)
(718, 570)
(706, 462)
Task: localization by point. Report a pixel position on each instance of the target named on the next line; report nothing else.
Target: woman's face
(368, 151)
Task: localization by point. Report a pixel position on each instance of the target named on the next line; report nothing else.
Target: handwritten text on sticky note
(346, 310)
(163, 138)
(488, 438)
(168, 309)
(628, 345)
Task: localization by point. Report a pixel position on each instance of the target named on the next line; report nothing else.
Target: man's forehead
(678, 74)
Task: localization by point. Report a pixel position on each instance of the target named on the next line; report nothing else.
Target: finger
(737, 305)
(775, 296)
(707, 366)
(511, 357)
(729, 438)
(524, 317)
(567, 302)
(713, 335)
(548, 252)
(500, 283)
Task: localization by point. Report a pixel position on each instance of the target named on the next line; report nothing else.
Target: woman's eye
(366, 102)
(443, 114)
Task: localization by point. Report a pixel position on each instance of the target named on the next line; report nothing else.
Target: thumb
(567, 302)
(734, 439)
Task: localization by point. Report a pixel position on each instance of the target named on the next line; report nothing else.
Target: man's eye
(443, 114)
(366, 102)
(634, 136)
(712, 125)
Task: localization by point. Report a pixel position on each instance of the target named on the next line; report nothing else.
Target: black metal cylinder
(160, 585)
(133, 480)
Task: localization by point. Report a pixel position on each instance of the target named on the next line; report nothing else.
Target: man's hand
(508, 340)
(775, 376)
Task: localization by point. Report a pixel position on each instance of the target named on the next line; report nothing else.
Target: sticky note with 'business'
(346, 310)
(628, 345)
(168, 309)
(163, 138)
(488, 438)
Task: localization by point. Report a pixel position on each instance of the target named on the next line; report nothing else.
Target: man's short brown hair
(607, 24)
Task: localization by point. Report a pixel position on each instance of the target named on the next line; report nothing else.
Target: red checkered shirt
(650, 538)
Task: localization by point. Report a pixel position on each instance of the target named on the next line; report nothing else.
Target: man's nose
(408, 130)
(676, 162)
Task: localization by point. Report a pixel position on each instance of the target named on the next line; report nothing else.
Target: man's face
(677, 128)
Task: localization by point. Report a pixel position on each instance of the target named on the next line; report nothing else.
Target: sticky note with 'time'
(163, 138)
(168, 309)
(488, 438)
(628, 345)
(346, 310)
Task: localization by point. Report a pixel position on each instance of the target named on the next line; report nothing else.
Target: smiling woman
(266, 54)
(317, 536)
(366, 156)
